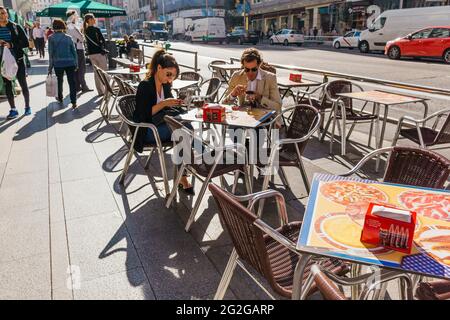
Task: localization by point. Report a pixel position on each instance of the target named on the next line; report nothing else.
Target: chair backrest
(106, 81)
(417, 167)
(444, 133)
(191, 75)
(129, 88)
(213, 88)
(332, 88)
(121, 85)
(217, 73)
(248, 240)
(267, 67)
(304, 118)
(125, 107)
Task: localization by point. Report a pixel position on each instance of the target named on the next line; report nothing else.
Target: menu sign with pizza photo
(336, 212)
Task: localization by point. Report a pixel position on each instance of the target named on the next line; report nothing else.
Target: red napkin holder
(296, 77)
(390, 233)
(135, 68)
(214, 113)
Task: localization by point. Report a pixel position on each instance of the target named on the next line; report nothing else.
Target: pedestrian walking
(78, 39)
(63, 58)
(315, 32)
(96, 48)
(13, 37)
(39, 39)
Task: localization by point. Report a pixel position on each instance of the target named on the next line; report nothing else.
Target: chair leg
(164, 170)
(175, 186)
(127, 165)
(264, 187)
(332, 136)
(147, 163)
(283, 178)
(304, 176)
(227, 275)
(248, 183)
(325, 130)
(235, 182)
(343, 137)
(197, 203)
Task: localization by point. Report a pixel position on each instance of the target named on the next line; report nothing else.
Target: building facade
(325, 15)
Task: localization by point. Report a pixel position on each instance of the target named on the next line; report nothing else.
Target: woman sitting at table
(153, 95)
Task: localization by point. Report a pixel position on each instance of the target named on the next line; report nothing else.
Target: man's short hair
(58, 24)
(251, 54)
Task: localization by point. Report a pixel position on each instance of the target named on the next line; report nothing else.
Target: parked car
(155, 30)
(211, 29)
(240, 36)
(349, 40)
(432, 42)
(287, 37)
(114, 34)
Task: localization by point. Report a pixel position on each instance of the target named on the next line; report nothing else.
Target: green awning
(323, 10)
(100, 10)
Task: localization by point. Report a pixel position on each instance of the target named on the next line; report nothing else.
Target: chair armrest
(317, 88)
(253, 198)
(302, 139)
(278, 237)
(366, 158)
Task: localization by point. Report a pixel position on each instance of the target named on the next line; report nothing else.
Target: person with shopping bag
(14, 39)
(63, 58)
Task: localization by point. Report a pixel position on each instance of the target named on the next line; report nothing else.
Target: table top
(228, 66)
(126, 71)
(334, 219)
(285, 82)
(382, 97)
(179, 84)
(240, 118)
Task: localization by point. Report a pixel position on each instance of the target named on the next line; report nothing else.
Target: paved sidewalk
(65, 219)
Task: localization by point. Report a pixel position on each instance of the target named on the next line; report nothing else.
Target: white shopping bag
(51, 86)
(9, 65)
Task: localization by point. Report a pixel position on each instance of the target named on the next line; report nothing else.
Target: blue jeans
(164, 134)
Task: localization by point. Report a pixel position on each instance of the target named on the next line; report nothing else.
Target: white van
(392, 24)
(207, 29)
(180, 26)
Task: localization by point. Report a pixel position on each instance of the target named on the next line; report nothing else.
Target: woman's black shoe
(189, 190)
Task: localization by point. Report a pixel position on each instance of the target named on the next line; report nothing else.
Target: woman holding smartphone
(153, 95)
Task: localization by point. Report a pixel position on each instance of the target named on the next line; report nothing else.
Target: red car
(432, 42)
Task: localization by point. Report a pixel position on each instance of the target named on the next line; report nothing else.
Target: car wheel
(286, 42)
(446, 56)
(364, 47)
(394, 53)
(337, 45)
(271, 42)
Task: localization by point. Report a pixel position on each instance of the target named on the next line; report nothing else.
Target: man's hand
(238, 90)
(5, 44)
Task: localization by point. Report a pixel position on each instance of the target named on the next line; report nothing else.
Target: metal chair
(124, 89)
(411, 166)
(343, 110)
(103, 103)
(287, 152)
(218, 73)
(270, 252)
(422, 135)
(136, 53)
(211, 93)
(126, 107)
(192, 76)
(204, 171)
(112, 91)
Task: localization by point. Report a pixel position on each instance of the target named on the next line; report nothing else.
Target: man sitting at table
(253, 78)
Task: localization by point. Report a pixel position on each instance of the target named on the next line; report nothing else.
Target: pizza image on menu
(435, 240)
(350, 192)
(433, 205)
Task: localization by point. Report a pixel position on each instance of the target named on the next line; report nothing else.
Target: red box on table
(214, 113)
(389, 226)
(135, 68)
(296, 77)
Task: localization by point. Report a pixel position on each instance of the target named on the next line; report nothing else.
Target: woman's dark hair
(163, 59)
(87, 17)
(251, 54)
(59, 25)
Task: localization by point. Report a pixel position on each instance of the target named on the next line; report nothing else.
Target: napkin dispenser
(390, 227)
(213, 113)
(295, 77)
(135, 68)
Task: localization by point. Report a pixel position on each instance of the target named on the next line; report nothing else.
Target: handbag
(158, 118)
(9, 65)
(51, 86)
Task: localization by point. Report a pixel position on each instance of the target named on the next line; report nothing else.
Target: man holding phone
(13, 37)
(258, 86)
